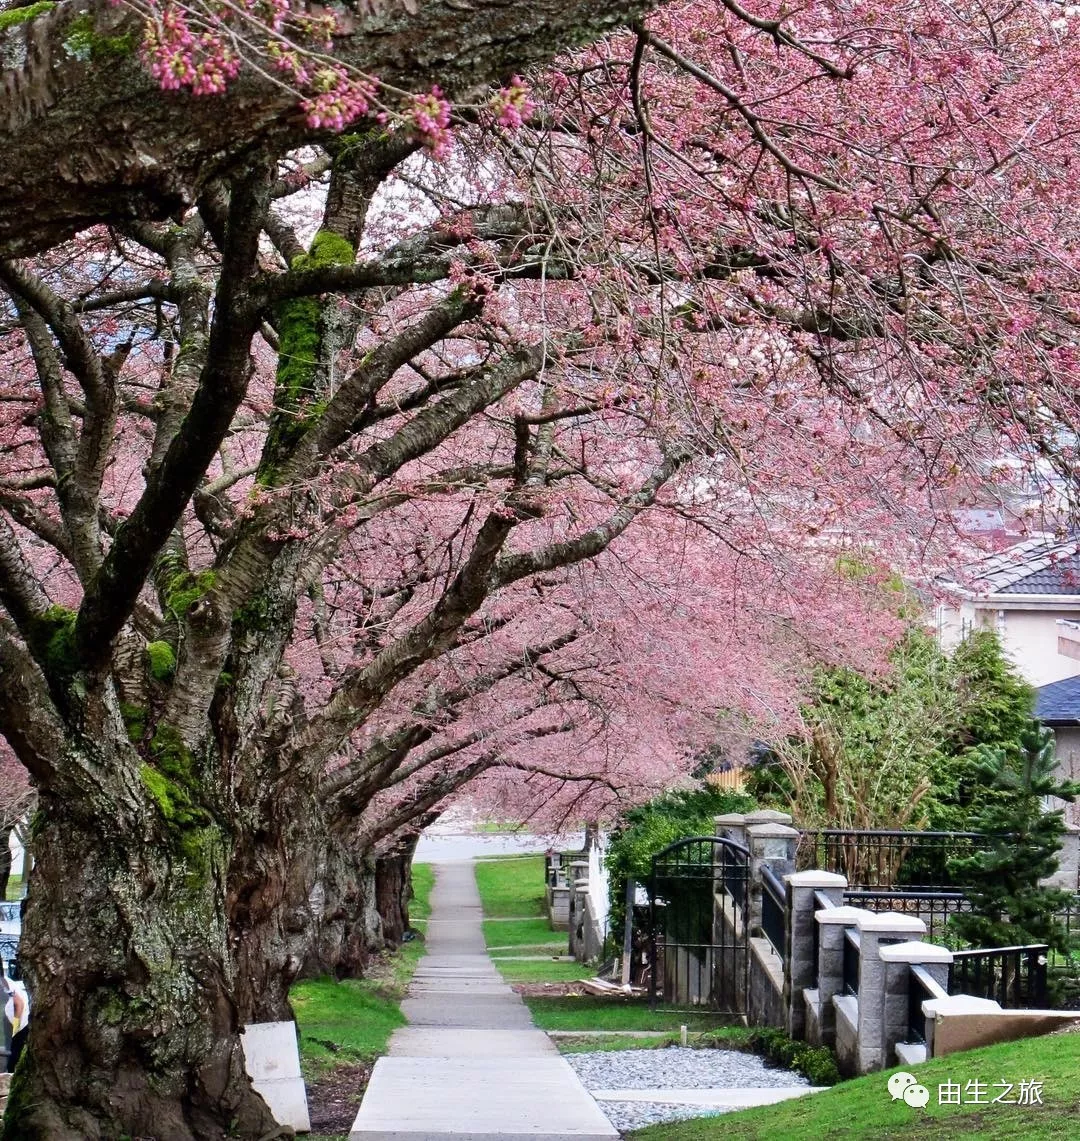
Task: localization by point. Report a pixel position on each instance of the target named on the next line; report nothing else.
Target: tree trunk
(348, 926)
(135, 1029)
(274, 905)
(392, 889)
(300, 905)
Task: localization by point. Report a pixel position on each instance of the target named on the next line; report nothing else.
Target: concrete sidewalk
(470, 1066)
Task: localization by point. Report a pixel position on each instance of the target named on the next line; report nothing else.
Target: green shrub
(816, 1063)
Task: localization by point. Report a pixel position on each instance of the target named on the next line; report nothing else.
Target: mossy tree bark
(126, 950)
(76, 154)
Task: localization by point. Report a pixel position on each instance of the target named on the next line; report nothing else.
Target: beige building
(1030, 595)
(1026, 593)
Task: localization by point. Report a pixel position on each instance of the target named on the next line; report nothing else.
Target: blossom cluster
(511, 105)
(181, 58)
(429, 117)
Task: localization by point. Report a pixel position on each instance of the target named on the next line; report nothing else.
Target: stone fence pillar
(800, 958)
(771, 845)
(832, 923)
(877, 930)
(897, 960)
(731, 826)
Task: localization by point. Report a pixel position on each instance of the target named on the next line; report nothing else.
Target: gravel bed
(679, 1068)
(672, 1068)
(628, 1115)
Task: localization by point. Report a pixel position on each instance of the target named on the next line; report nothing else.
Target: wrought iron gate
(699, 924)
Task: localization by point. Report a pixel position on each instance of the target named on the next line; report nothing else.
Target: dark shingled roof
(1059, 702)
(1059, 577)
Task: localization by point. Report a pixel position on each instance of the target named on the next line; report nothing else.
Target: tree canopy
(340, 469)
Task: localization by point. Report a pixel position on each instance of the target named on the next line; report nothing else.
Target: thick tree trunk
(273, 905)
(88, 136)
(393, 877)
(300, 906)
(135, 1029)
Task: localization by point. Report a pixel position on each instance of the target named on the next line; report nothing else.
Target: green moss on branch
(14, 16)
(299, 324)
(52, 639)
(162, 661)
(184, 589)
(135, 721)
(84, 43)
(173, 784)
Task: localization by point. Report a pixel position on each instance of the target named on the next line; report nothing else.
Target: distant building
(1058, 706)
(1027, 593)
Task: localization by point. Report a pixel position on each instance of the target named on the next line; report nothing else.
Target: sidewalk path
(470, 1066)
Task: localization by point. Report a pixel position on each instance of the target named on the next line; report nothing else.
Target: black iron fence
(774, 909)
(698, 924)
(1013, 976)
(882, 858)
(1068, 964)
(920, 988)
(933, 907)
(852, 946)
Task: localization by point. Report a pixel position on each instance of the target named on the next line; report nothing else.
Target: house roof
(1035, 566)
(1059, 702)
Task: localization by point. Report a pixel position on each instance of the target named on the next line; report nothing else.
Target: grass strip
(863, 1107)
(350, 1021)
(423, 880)
(546, 971)
(517, 933)
(589, 1012)
(593, 1043)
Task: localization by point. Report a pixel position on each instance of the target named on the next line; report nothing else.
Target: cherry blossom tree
(533, 459)
(93, 130)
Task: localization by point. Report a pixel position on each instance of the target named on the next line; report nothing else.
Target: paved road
(436, 846)
(470, 1066)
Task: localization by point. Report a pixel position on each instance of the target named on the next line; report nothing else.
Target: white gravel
(628, 1115)
(672, 1068)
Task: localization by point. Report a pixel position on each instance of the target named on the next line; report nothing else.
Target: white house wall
(1029, 637)
(1067, 753)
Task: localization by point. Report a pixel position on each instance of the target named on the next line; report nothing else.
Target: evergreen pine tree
(1009, 907)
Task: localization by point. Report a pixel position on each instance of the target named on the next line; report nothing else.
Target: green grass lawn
(511, 886)
(520, 933)
(589, 1043)
(14, 888)
(863, 1108)
(592, 1013)
(542, 971)
(423, 880)
(352, 1020)
(554, 948)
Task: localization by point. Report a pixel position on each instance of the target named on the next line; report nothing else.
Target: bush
(816, 1063)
